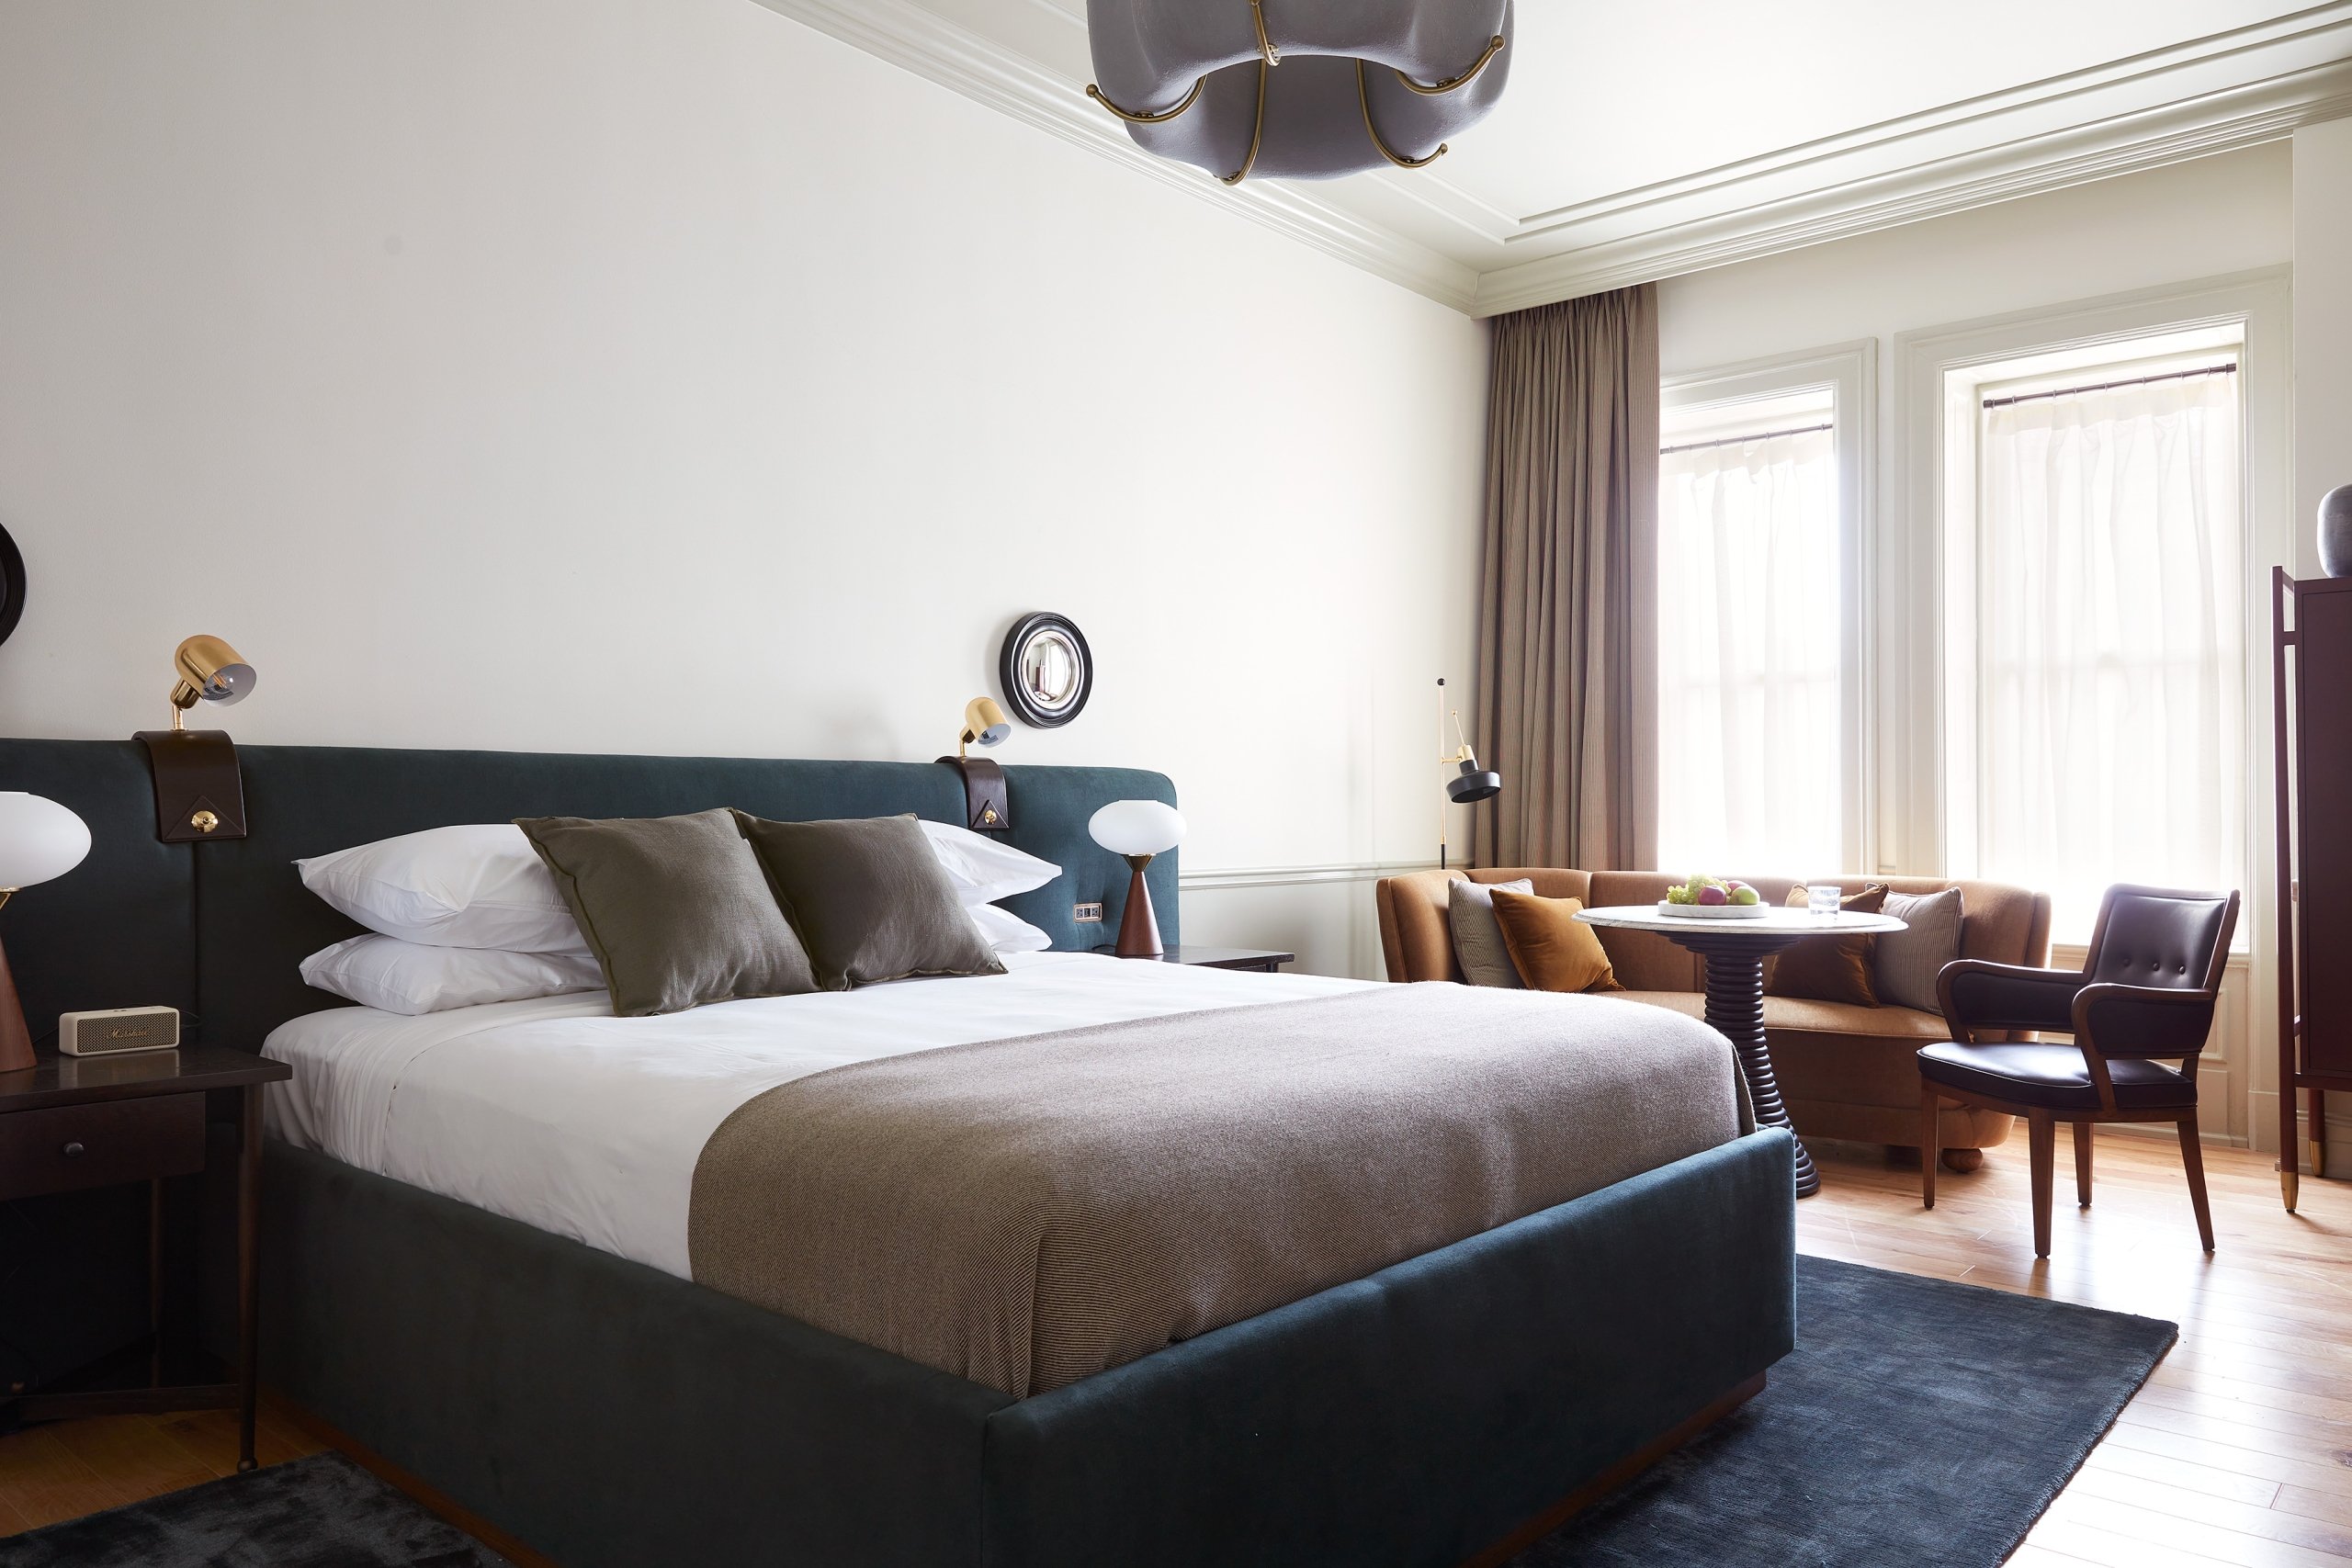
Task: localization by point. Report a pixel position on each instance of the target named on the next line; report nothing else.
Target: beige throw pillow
(1905, 963)
(1478, 944)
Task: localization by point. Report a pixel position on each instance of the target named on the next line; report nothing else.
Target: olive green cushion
(870, 900)
(676, 908)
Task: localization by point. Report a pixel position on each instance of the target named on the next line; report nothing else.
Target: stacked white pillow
(469, 914)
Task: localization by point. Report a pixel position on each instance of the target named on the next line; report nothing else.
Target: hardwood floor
(2239, 1449)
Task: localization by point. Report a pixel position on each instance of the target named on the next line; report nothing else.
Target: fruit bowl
(1716, 911)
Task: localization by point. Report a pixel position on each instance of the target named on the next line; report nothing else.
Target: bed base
(1426, 1416)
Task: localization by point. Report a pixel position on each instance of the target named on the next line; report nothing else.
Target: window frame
(1848, 373)
(1943, 374)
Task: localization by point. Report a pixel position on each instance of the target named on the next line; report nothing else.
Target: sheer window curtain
(2111, 724)
(1750, 760)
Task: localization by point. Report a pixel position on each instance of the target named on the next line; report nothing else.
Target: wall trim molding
(908, 36)
(1191, 881)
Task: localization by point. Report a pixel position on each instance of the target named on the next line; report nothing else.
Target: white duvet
(556, 1113)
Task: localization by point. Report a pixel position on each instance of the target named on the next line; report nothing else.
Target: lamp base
(16, 1040)
(1138, 927)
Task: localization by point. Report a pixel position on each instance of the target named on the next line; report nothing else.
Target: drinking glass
(1823, 900)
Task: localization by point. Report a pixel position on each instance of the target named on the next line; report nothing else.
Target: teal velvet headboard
(217, 930)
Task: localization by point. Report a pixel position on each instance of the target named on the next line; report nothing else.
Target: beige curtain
(1568, 671)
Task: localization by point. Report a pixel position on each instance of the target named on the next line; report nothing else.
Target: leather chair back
(2164, 939)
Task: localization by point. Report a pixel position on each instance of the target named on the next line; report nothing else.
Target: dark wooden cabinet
(2311, 708)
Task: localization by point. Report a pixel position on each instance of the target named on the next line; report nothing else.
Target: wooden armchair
(2144, 996)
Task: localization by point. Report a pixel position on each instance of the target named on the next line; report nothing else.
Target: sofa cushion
(1479, 946)
(1830, 968)
(1904, 964)
(1899, 1030)
(1551, 948)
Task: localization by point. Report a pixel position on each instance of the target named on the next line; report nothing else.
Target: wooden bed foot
(1616, 1475)
(1964, 1160)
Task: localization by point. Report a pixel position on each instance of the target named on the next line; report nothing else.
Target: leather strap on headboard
(218, 929)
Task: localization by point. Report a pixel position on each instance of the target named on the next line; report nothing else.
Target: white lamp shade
(39, 839)
(1136, 828)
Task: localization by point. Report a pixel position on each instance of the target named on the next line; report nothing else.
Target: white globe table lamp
(1136, 831)
(39, 840)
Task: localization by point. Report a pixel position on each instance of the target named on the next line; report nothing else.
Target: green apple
(1743, 894)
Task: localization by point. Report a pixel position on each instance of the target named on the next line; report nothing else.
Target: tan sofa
(1845, 1071)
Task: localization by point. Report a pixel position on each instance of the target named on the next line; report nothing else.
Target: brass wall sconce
(988, 806)
(199, 793)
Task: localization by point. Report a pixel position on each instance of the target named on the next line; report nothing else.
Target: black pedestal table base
(1736, 1011)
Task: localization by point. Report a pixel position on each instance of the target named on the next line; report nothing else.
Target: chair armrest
(1977, 993)
(2142, 1020)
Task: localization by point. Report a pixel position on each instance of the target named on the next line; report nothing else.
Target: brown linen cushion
(1829, 968)
(1551, 950)
(1905, 964)
(1477, 939)
(870, 900)
(676, 908)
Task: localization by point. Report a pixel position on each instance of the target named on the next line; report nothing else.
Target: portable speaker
(116, 1030)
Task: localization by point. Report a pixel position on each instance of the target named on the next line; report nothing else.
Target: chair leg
(2082, 1131)
(2041, 1133)
(2192, 1160)
(1930, 1135)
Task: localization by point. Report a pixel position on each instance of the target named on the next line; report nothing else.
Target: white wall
(587, 374)
(2212, 217)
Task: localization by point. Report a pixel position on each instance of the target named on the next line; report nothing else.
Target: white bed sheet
(556, 1113)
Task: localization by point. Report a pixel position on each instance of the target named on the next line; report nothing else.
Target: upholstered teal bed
(610, 1413)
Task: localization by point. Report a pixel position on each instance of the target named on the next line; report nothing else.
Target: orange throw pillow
(1829, 968)
(1552, 950)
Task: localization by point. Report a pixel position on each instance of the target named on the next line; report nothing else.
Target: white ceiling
(1639, 141)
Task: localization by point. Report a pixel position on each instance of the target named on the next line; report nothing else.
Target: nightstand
(72, 1123)
(1220, 957)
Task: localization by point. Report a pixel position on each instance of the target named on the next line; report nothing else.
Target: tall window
(2109, 637)
(1751, 638)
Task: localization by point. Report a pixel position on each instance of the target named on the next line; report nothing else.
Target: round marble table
(1735, 950)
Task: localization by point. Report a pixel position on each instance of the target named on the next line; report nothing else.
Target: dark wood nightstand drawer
(97, 1146)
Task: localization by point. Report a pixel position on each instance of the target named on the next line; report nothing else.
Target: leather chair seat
(2053, 1077)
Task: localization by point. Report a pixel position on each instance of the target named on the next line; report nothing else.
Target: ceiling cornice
(939, 50)
(2215, 94)
(2218, 94)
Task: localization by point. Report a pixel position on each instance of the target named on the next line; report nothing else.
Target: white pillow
(477, 885)
(985, 869)
(1006, 931)
(409, 977)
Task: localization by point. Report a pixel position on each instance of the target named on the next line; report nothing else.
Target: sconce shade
(984, 722)
(210, 671)
(39, 839)
(1136, 828)
(1473, 784)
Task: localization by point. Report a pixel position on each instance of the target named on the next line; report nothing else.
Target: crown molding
(2218, 94)
(941, 51)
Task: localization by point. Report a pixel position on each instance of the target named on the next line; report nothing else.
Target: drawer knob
(72, 1151)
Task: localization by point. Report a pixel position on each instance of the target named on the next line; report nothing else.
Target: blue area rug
(1917, 1422)
(320, 1512)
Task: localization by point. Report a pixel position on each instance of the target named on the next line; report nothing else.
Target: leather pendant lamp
(1298, 89)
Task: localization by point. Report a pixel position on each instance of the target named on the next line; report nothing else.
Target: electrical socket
(1087, 914)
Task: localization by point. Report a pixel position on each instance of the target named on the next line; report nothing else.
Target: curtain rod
(2228, 369)
(1744, 440)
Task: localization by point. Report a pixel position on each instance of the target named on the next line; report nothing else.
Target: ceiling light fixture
(1298, 89)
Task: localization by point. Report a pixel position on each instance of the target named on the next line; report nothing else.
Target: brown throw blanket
(1025, 1212)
